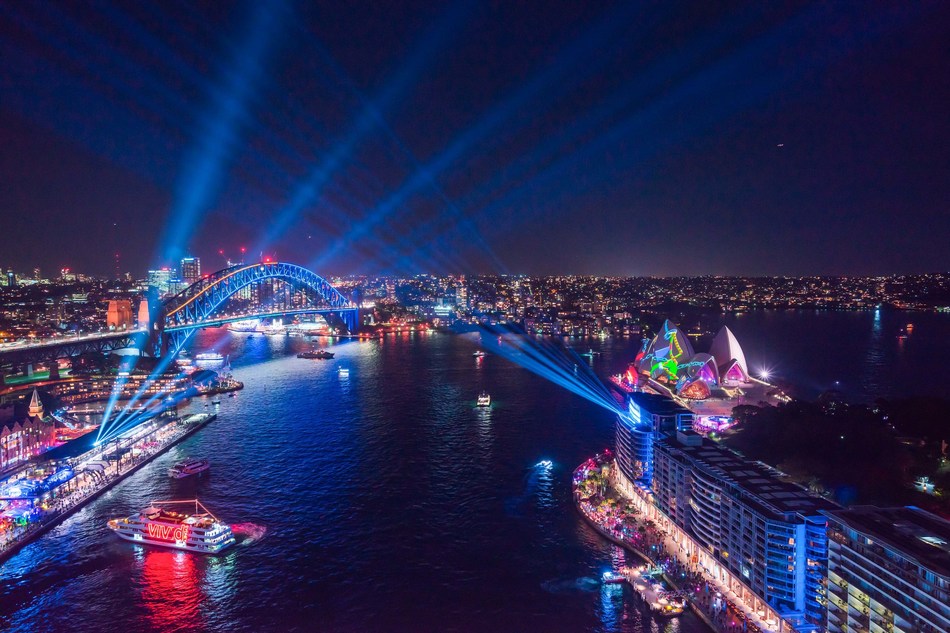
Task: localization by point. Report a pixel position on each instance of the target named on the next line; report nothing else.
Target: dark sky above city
(650, 138)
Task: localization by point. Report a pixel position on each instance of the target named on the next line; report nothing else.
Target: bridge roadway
(49, 350)
(198, 306)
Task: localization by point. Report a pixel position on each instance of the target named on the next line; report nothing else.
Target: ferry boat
(612, 578)
(199, 532)
(188, 468)
(484, 400)
(249, 325)
(323, 354)
(209, 357)
(343, 372)
(478, 354)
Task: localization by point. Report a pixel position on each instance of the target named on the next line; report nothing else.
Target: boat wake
(248, 533)
(570, 585)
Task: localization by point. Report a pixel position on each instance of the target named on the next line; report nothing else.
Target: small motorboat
(612, 578)
(478, 354)
(343, 372)
(188, 468)
(483, 400)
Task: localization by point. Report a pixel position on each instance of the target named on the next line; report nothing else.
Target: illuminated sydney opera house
(668, 362)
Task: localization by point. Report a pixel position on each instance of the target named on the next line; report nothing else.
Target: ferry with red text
(198, 532)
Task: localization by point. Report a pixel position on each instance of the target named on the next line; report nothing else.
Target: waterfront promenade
(620, 522)
(133, 450)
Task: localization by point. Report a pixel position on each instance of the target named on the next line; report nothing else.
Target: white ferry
(209, 357)
(249, 325)
(199, 532)
(484, 400)
(188, 468)
(343, 372)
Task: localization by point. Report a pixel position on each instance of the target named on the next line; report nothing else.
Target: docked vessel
(484, 400)
(198, 532)
(654, 591)
(249, 325)
(188, 468)
(209, 357)
(324, 354)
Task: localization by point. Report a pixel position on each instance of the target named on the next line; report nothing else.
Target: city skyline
(806, 140)
(474, 316)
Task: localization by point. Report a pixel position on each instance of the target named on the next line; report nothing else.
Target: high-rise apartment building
(758, 535)
(888, 571)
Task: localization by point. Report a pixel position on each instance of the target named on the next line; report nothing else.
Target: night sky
(511, 137)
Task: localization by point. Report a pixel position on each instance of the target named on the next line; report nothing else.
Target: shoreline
(629, 547)
(53, 521)
(620, 542)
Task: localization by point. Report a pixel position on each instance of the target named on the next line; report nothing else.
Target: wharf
(617, 537)
(187, 426)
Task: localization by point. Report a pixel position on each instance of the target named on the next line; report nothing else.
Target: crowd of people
(77, 490)
(618, 519)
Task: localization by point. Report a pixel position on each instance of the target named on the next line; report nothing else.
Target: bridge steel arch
(195, 307)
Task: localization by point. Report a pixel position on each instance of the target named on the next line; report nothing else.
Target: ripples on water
(387, 501)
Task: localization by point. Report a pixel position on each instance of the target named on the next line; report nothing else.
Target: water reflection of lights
(171, 589)
(545, 484)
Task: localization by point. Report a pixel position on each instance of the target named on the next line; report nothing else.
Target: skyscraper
(190, 270)
(160, 280)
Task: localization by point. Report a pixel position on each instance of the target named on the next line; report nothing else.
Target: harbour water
(387, 501)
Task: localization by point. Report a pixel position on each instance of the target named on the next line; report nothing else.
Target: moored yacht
(199, 532)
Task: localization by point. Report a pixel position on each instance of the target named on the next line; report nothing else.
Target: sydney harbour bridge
(246, 291)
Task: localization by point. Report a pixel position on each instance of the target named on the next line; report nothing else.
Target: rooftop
(767, 489)
(657, 404)
(914, 533)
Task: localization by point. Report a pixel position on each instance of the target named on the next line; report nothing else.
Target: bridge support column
(29, 370)
(54, 370)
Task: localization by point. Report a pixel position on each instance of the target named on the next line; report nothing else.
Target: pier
(95, 474)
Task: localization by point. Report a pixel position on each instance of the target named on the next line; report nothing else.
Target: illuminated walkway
(627, 523)
(96, 474)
